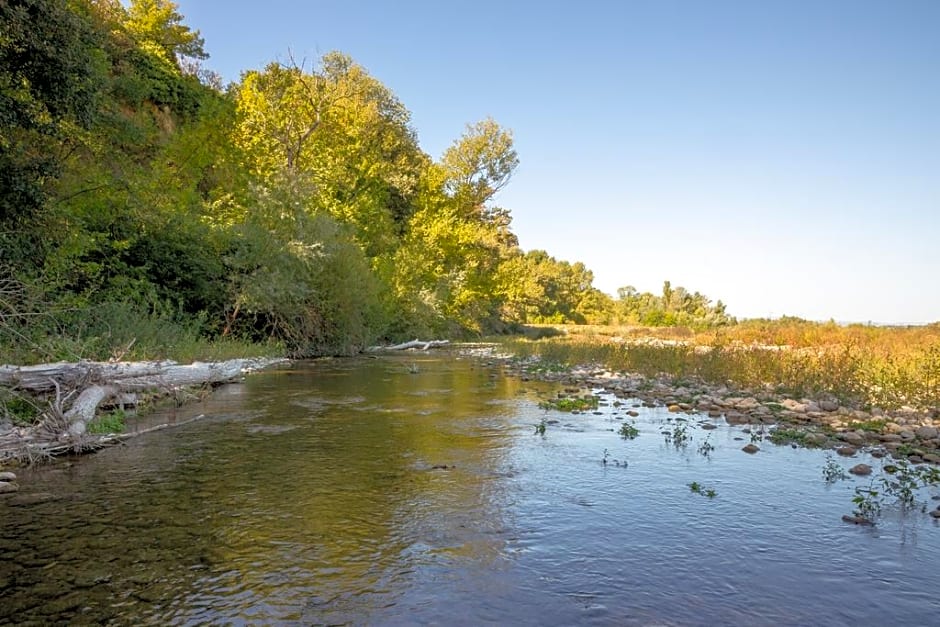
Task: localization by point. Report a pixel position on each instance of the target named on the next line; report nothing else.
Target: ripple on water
(345, 519)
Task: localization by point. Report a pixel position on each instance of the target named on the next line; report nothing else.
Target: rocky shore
(822, 422)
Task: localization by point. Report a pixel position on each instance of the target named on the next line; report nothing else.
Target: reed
(858, 365)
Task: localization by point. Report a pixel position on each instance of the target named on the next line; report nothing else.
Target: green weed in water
(628, 431)
(832, 471)
(577, 403)
(698, 488)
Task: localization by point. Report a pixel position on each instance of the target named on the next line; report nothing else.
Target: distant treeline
(143, 200)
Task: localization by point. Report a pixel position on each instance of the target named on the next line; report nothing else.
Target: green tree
(158, 27)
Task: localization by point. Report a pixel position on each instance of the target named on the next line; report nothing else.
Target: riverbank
(55, 409)
(820, 422)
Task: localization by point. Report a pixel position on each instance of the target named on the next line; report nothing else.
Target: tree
(50, 77)
(343, 134)
(158, 26)
(479, 164)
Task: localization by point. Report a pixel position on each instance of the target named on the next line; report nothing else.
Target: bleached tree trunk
(412, 344)
(97, 382)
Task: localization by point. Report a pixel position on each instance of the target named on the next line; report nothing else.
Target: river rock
(935, 513)
(816, 439)
(7, 476)
(846, 451)
(709, 426)
(907, 435)
(933, 458)
(889, 437)
(735, 418)
(7, 487)
(915, 459)
(751, 448)
(674, 408)
(853, 438)
(792, 405)
(860, 469)
(856, 520)
(828, 405)
(926, 433)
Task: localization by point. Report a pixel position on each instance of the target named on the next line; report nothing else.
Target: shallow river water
(317, 494)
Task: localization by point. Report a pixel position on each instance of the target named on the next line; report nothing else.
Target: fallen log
(81, 388)
(419, 344)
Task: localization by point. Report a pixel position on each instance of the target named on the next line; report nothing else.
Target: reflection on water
(358, 491)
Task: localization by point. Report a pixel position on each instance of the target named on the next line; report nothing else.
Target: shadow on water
(413, 489)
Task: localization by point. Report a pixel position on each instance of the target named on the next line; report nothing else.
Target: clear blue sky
(783, 156)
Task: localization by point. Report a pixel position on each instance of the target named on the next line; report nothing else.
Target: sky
(780, 155)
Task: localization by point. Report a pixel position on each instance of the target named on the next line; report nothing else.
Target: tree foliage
(138, 202)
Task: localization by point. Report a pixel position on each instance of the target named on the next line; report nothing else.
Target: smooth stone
(852, 438)
(889, 437)
(916, 459)
(735, 418)
(816, 439)
(846, 451)
(751, 448)
(714, 413)
(878, 453)
(8, 488)
(935, 513)
(926, 433)
(860, 469)
(932, 458)
(7, 476)
(709, 426)
(674, 408)
(828, 405)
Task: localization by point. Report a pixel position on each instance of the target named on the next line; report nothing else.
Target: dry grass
(864, 366)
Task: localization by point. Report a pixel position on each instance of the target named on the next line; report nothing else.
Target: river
(415, 490)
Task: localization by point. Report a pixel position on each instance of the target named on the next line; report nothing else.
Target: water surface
(360, 491)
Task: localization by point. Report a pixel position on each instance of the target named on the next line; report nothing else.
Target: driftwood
(81, 388)
(412, 344)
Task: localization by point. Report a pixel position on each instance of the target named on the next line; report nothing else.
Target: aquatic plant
(706, 448)
(897, 487)
(698, 488)
(540, 427)
(833, 471)
(679, 436)
(628, 431)
(571, 403)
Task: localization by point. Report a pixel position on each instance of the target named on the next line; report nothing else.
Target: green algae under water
(412, 489)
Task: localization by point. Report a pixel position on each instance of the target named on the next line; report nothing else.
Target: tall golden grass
(859, 365)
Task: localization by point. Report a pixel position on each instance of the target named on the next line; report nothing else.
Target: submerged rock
(860, 469)
(857, 520)
(847, 451)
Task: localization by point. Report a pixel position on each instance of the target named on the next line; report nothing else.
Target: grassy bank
(858, 365)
